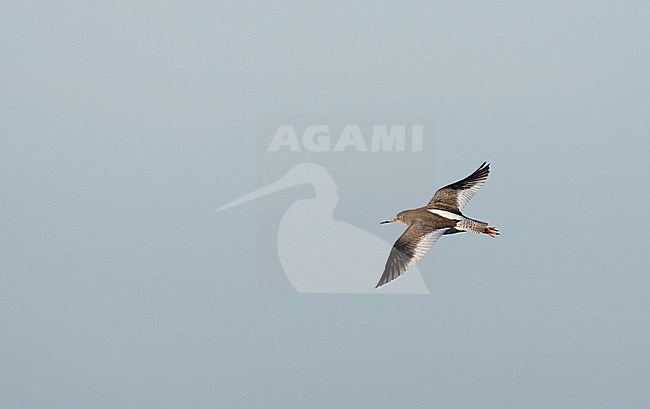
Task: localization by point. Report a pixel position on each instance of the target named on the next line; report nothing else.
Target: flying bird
(442, 215)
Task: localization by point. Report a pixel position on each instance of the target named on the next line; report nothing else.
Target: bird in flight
(426, 224)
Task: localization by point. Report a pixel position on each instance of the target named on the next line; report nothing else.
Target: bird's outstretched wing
(408, 250)
(456, 195)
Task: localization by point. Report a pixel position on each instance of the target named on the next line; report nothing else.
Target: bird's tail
(476, 226)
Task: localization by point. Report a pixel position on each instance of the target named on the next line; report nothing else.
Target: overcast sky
(124, 125)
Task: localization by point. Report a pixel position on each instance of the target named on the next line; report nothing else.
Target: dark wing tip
(482, 172)
(454, 196)
(478, 175)
(396, 264)
(386, 277)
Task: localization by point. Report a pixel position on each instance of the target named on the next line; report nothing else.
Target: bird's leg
(491, 231)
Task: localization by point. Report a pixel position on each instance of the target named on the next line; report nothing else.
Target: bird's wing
(452, 230)
(456, 195)
(408, 250)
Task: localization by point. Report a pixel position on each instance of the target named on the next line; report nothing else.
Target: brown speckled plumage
(426, 224)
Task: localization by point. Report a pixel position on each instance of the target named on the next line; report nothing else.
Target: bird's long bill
(387, 221)
(280, 184)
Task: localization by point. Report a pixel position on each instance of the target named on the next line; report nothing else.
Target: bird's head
(402, 217)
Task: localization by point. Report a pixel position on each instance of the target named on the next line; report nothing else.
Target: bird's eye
(399, 217)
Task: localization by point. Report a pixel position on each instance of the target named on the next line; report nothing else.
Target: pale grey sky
(124, 126)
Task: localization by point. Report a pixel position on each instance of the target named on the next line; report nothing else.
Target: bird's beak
(389, 221)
